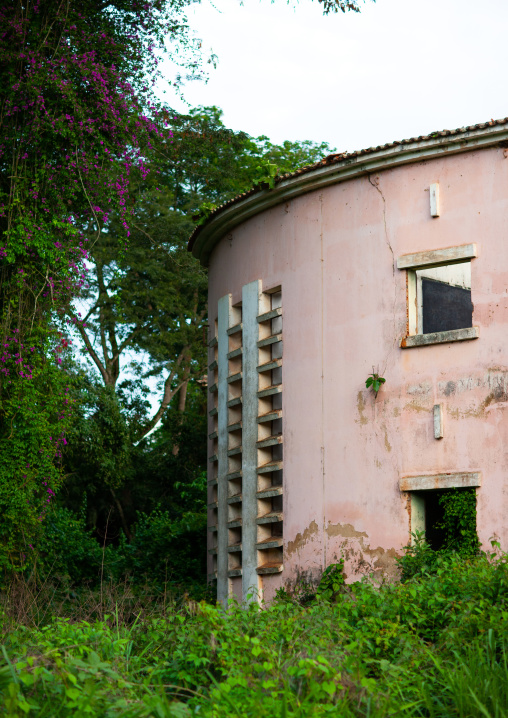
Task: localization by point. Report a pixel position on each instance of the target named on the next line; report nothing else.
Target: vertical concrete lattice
(245, 477)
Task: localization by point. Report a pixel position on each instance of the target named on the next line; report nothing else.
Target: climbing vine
(76, 124)
(459, 521)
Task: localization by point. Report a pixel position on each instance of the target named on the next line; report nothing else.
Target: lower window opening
(448, 518)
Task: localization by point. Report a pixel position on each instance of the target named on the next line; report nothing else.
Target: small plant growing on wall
(374, 382)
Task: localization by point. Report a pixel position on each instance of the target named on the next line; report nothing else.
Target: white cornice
(225, 220)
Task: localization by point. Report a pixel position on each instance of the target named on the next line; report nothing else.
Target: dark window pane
(445, 307)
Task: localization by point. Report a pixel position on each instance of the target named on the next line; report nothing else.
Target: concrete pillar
(224, 311)
(250, 308)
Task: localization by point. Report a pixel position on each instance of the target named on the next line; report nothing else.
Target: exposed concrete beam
(427, 482)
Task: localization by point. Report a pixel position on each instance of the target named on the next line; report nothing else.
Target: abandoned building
(389, 261)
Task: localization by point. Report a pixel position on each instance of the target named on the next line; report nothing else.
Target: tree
(151, 299)
(76, 120)
(146, 314)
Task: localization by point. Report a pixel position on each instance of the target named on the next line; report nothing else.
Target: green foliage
(207, 163)
(76, 120)
(165, 550)
(375, 381)
(459, 536)
(68, 550)
(265, 175)
(334, 6)
(419, 559)
(301, 591)
(205, 209)
(34, 416)
(433, 647)
(121, 478)
(332, 581)
(100, 440)
(459, 521)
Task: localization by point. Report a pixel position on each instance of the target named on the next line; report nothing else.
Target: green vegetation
(459, 521)
(434, 646)
(375, 381)
(456, 531)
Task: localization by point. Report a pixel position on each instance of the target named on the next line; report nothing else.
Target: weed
(433, 645)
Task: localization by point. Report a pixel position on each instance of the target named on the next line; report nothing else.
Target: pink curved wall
(344, 311)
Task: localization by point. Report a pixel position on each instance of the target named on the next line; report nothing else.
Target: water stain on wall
(388, 446)
(344, 531)
(301, 539)
(360, 403)
(360, 557)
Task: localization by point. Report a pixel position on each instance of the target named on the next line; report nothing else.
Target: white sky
(398, 69)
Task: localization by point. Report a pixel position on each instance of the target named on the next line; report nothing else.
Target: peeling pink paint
(333, 251)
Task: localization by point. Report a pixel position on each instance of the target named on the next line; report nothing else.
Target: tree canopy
(145, 320)
(150, 298)
(77, 120)
(99, 183)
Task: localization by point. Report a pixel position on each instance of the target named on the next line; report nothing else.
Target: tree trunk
(182, 399)
(122, 516)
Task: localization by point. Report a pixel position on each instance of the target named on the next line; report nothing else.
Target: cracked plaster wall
(344, 305)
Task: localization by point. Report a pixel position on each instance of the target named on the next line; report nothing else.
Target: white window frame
(432, 258)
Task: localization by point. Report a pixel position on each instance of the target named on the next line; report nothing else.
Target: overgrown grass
(435, 646)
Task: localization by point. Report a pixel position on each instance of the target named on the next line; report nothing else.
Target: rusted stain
(499, 394)
(354, 548)
(409, 509)
(497, 398)
(403, 340)
(301, 538)
(495, 380)
(384, 559)
(360, 403)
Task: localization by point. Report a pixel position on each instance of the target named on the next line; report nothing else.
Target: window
(439, 295)
(429, 517)
(444, 298)
(427, 512)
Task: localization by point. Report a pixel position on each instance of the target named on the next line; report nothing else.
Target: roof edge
(338, 168)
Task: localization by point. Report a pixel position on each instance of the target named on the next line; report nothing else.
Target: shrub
(68, 550)
(419, 559)
(434, 646)
(164, 553)
(166, 550)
